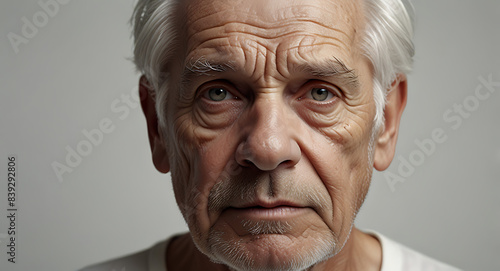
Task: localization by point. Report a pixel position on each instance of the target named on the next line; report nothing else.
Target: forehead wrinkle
(232, 26)
(284, 64)
(304, 12)
(298, 15)
(263, 58)
(240, 45)
(271, 37)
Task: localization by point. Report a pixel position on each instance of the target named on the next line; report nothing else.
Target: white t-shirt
(395, 257)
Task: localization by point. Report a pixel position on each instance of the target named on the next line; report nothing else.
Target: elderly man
(270, 116)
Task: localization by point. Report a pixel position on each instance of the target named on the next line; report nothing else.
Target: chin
(270, 251)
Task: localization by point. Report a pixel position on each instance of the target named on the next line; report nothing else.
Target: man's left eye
(320, 94)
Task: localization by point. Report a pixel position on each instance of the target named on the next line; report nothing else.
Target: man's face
(271, 129)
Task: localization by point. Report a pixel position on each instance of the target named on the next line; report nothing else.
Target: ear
(388, 135)
(158, 150)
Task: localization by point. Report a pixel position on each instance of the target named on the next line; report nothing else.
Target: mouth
(269, 205)
(267, 211)
(268, 219)
(260, 216)
(264, 213)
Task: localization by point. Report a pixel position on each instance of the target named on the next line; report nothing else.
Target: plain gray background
(72, 74)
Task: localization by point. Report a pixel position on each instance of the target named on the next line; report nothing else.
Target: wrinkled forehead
(271, 18)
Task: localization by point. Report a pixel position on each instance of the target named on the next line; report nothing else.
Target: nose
(268, 137)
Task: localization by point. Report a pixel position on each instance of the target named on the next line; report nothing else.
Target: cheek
(343, 175)
(202, 157)
(341, 158)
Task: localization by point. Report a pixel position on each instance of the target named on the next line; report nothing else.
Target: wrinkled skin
(270, 152)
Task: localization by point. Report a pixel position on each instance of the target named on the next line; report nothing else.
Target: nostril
(288, 163)
(266, 156)
(247, 163)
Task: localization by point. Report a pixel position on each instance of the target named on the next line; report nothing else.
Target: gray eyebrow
(202, 66)
(331, 68)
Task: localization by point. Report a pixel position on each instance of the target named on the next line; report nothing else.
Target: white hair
(387, 42)
(155, 35)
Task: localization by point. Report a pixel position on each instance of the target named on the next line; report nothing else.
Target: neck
(182, 254)
(361, 252)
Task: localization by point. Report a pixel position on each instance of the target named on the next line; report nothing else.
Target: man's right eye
(218, 94)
